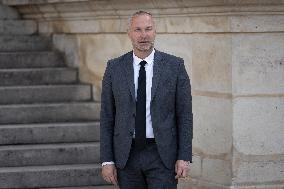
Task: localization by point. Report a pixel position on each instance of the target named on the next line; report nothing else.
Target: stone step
(37, 76)
(14, 43)
(36, 59)
(44, 94)
(8, 13)
(49, 154)
(49, 133)
(51, 176)
(49, 113)
(17, 27)
(88, 187)
(31, 2)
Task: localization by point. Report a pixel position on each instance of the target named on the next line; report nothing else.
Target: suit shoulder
(120, 59)
(172, 58)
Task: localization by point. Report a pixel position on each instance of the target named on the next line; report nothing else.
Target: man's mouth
(143, 42)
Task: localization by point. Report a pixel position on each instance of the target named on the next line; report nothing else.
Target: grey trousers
(145, 170)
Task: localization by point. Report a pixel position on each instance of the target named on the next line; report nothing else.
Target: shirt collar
(149, 59)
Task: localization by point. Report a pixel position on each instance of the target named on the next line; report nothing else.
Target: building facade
(234, 55)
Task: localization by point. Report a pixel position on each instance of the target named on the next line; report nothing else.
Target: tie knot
(142, 63)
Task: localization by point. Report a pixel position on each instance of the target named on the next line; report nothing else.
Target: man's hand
(109, 174)
(182, 168)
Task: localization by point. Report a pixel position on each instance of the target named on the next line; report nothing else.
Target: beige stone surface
(259, 23)
(187, 24)
(260, 186)
(69, 45)
(211, 62)
(178, 45)
(187, 184)
(258, 125)
(84, 26)
(217, 171)
(96, 50)
(195, 169)
(173, 25)
(200, 184)
(127, 4)
(74, 9)
(212, 133)
(210, 24)
(203, 184)
(258, 63)
(259, 172)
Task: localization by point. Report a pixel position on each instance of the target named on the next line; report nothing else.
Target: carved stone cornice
(109, 9)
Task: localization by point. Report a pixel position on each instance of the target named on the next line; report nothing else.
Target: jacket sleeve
(107, 117)
(184, 115)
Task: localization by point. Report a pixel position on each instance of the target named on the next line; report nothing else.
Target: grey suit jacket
(171, 109)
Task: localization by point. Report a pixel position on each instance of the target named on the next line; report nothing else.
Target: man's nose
(143, 33)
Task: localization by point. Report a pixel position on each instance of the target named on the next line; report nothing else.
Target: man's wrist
(186, 162)
(108, 163)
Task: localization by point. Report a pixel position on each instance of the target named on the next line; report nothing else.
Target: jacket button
(131, 133)
(133, 114)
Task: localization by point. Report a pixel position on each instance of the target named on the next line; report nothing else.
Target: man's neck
(142, 54)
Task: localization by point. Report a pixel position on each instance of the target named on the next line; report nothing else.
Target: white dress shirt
(149, 75)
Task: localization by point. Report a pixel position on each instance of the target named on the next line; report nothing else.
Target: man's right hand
(109, 174)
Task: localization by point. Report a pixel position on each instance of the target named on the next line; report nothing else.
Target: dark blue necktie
(140, 120)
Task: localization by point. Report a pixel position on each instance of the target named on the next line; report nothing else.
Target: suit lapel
(128, 61)
(157, 70)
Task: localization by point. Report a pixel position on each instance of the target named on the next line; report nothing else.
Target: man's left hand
(182, 168)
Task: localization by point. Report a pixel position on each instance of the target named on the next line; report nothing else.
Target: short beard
(151, 47)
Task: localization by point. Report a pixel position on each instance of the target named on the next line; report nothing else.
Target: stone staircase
(49, 131)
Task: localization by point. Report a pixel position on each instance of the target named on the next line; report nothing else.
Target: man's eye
(137, 30)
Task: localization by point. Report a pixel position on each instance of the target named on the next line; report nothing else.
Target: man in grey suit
(146, 114)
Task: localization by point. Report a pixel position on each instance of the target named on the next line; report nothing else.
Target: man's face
(142, 33)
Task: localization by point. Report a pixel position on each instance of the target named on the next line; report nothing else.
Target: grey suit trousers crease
(145, 170)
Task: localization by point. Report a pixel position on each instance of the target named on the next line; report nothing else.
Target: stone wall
(234, 56)
(258, 108)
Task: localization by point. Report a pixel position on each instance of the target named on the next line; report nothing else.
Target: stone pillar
(234, 56)
(258, 102)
